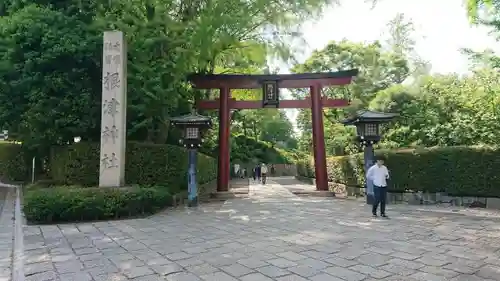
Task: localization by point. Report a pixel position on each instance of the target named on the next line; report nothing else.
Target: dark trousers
(380, 193)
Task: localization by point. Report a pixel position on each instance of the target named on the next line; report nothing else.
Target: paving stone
(291, 256)
(182, 276)
(166, 269)
(237, 270)
(292, 277)
(158, 261)
(282, 263)
(127, 264)
(404, 256)
(406, 263)
(178, 256)
(398, 269)
(325, 277)
(350, 253)
(110, 277)
(148, 278)
(424, 276)
(373, 259)
(252, 262)
(101, 270)
(461, 268)
(97, 262)
(489, 272)
(345, 273)
(439, 271)
(35, 268)
(190, 262)
(202, 269)
(371, 271)
(468, 277)
(304, 270)
(79, 276)
(218, 276)
(272, 271)
(41, 276)
(317, 264)
(432, 261)
(134, 272)
(71, 266)
(340, 261)
(255, 277)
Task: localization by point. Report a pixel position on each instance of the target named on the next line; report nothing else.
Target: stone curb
(18, 258)
(12, 211)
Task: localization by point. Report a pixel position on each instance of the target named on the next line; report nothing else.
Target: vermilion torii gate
(271, 85)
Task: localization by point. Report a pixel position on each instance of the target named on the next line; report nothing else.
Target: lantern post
(367, 134)
(192, 125)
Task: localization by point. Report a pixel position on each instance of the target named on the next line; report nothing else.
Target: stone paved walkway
(272, 235)
(7, 201)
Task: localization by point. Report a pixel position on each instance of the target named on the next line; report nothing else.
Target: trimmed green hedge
(457, 171)
(66, 204)
(146, 164)
(13, 165)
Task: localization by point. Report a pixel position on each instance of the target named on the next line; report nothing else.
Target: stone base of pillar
(193, 202)
(315, 193)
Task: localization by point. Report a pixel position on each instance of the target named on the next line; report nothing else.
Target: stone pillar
(114, 110)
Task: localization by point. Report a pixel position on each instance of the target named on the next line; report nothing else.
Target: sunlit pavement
(272, 235)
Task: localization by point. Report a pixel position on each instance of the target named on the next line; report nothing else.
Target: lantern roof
(368, 116)
(192, 119)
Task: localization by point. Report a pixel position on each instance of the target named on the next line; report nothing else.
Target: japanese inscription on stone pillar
(113, 114)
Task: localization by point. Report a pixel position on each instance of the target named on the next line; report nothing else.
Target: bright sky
(442, 29)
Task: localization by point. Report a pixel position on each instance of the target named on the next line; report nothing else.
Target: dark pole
(192, 188)
(369, 161)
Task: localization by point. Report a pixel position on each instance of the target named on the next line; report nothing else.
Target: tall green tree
(379, 69)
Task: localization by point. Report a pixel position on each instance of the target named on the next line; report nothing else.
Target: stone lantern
(368, 133)
(193, 126)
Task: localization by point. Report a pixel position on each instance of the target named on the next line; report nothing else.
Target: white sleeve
(386, 172)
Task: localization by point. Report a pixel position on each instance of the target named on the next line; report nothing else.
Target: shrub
(146, 164)
(458, 171)
(67, 204)
(12, 162)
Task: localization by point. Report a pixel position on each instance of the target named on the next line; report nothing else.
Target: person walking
(263, 171)
(379, 175)
(257, 172)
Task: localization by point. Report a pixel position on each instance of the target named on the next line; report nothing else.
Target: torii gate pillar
(318, 139)
(224, 164)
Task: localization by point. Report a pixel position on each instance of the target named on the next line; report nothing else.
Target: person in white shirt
(263, 172)
(379, 175)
